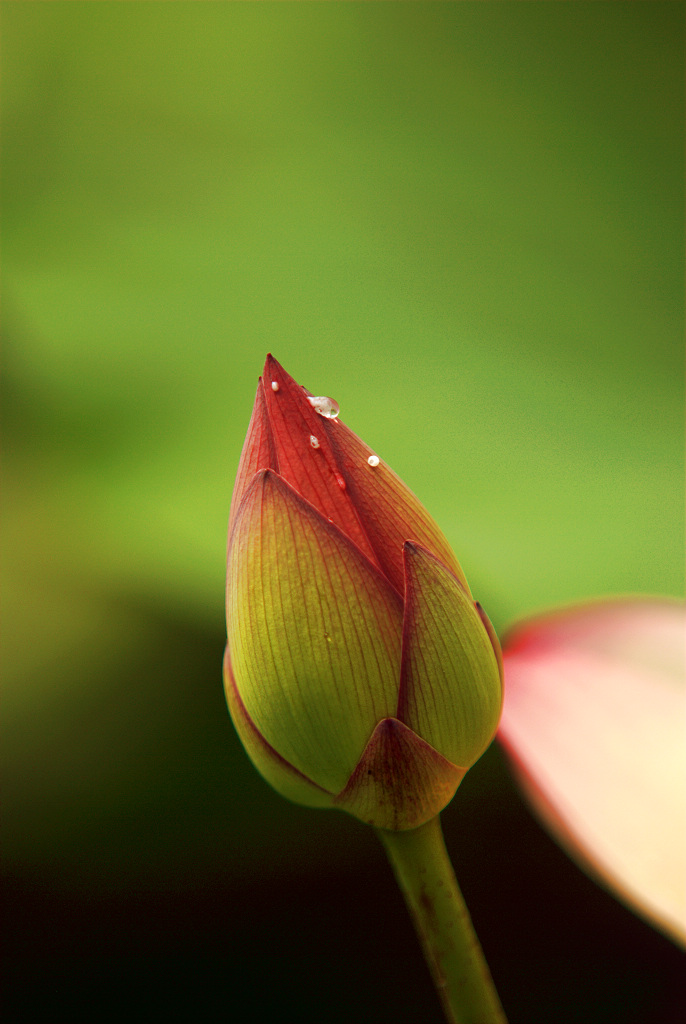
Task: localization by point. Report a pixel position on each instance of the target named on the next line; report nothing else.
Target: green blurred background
(464, 222)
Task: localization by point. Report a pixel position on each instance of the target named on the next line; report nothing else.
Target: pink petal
(327, 464)
(310, 467)
(388, 510)
(594, 719)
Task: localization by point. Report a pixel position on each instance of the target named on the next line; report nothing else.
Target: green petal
(285, 779)
(450, 689)
(314, 632)
(400, 782)
(495, 642)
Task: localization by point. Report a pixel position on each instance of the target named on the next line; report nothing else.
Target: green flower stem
(426, 878)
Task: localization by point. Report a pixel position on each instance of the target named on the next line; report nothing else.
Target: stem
(426, 878)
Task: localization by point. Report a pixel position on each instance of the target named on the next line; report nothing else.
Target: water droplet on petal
(373, 460)
(314, 441)
(275, 385)
(326, 407)
(340, 481)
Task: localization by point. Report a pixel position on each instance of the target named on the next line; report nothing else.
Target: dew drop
(340, 481)
(373, 460)
(326, 407)
(275, 385)
(314, 441)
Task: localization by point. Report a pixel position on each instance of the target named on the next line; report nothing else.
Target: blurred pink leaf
(594, 720)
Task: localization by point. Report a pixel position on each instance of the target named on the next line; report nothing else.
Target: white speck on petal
(326, 407)
(314, 441)
(373, 460)
(275, 385)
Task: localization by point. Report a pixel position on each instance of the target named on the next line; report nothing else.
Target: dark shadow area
(178, 887)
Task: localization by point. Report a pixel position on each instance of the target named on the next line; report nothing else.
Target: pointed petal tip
(414, 552)
(400, 781)
(273, 370)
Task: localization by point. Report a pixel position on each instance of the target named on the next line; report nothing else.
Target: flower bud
(359, 671)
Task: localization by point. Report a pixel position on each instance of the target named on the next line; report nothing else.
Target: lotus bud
(359, 671)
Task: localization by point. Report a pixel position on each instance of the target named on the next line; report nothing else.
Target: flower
(594, 721)
(359, 671)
